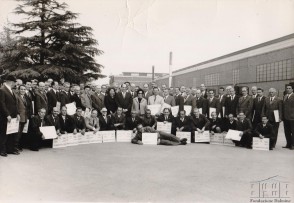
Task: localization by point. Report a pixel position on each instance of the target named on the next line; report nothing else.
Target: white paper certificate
(60, 142)
(260, 144)
(202, 137)
(164, 127)
(108, 136)
(277, 116)
(26, 127)
(12, 126)
(155, 109)
(217, 138)
(182, 135)
(234, 135)
(188, 109)
(71, 109)
(211, 110)
(49, 132)
(124, 135)
(175, 110)
(149, 138)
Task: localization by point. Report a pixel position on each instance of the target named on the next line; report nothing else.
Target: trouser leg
(287, 129)
(276, 130)
(19, 135)
(3, 136)
(168, 142)
(168, 136)
(246, 139)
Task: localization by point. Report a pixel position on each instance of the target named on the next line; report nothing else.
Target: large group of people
(125, 107)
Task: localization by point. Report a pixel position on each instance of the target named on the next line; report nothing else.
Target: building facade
(270, 64)
(138, 78)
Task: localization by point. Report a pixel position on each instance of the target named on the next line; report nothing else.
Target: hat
(9, 78)
(104, 109)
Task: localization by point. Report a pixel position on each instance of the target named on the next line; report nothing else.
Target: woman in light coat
(139, 103)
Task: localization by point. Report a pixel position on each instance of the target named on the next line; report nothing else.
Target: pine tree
(51, 44)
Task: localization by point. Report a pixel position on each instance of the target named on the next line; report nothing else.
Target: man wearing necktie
(41, 98)
(244, 125)
(105, 121)
(8, 110)
(80, 124)
(155, 98)
(245, 104)
(258, 104)
(288, 114)
(265, 130)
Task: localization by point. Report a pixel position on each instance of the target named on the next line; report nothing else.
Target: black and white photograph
(147, 101)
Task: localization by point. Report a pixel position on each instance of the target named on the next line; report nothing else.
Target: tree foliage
(50, 44)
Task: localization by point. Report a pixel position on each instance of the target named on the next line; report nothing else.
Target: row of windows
(280, 70)
(236, 76)
(212, 79)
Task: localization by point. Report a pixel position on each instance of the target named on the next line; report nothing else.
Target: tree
(50, 44)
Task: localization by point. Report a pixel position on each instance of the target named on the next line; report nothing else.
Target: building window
(212, 79)
(280, 70)
(236, 76)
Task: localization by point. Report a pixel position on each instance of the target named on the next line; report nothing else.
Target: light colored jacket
(142, 105)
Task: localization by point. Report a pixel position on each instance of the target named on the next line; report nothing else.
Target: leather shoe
(15, 153)
(3, 154)
(285, 146)
(34, 149)
(291, 148)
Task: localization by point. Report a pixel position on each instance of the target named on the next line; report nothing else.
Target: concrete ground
(123, 172)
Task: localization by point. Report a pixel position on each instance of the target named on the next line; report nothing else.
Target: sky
(138, 34)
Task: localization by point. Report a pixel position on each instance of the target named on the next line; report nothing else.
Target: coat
(245, 105)
(288, 107)
(269, 107)
(139, 107)
(25, 109)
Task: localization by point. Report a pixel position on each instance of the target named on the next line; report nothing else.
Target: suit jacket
(105, 124)
(115, 120)
(130, 124)
(147, 95)
(204, 95)
(139, 107)
(213, 104)
(24, 107)
(188, 100)
(49, 121)
(288, 106)
(53, 98)
(257, 109)
(77, 99)
(64, 98)
(186, 123)
(230, 126)
(200, 122)
(34, 126)
(91, 122)
(269, 107)
(170, 118)
(125, 103)
(222, 101)
(179, 102)
(266, 131)
(97, 101)
(148, 121)
(245, 127)
(155, 100)
(202, 103)
(245, 105)
(110, 104)
(40, 102)
(170, 100)
(231, 105)
(67, 125)
(80, 123)
(86, 100)
(217, 123)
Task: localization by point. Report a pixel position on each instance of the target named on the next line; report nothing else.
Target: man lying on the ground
(163, 138)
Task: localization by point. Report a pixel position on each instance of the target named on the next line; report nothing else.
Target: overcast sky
(136, 34)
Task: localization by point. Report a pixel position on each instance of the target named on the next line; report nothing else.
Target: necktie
(133, 119)
(166, 118)
(93, 122)
(154, 98)
(259, 99)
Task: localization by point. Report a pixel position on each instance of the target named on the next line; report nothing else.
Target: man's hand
(241, 134)
(140, 142)
(165, 122)
(96, 130)
(75, 131)
(83, 132)
(125, 110)
(18, 117)
(212, 133)
(43, 137)
(261, 137)
(8, 119)
(213, 126)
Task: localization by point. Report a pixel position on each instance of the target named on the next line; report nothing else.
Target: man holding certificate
(244, 125)
(8, 111)
(265, 130)
(163, 138)
(289, 116)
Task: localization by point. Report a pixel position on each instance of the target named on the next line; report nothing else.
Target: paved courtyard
(119, 172)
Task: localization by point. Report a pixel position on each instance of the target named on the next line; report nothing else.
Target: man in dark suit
(147, 92)
(245, 104)
(105, 120)
(118, 119)
(148, 119)
(41, 101)
(8, 110)
(97, 99)
(53, 96)
(244, 125)
(77, 98)
(132, 121)
(203, 91)
(53, 119)
(64, 94)
(66, 122)
(168, 99)
(222, 100)
(230, 123)
(231, 103)
(124, 99)
(79, 120)
(213, 103)
(201, 103)
(199, 123)
(258, 103)
(183, 122)
(35, 135)
(265, 130)
(216, 125)
(179, 99)
(288, 107)
(167, 117)
(189, 99)
(271, 104)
